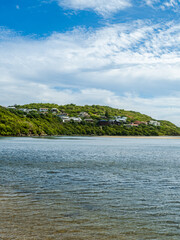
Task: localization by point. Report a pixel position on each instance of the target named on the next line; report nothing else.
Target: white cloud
(97, 67)
(106, 8)
(163, 4)
(151, 2)
(102, 7)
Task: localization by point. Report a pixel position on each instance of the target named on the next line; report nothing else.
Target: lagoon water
(89, 188)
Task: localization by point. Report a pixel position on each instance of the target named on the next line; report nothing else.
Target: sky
(119, 53)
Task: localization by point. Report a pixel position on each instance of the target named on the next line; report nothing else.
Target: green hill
(15, 122)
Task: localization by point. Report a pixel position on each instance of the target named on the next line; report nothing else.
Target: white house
(10, 107)
(65, 119)
(84, 114)
(120, 119)
(31, 110)
(43, 110)
(76, 119)
(155, 123)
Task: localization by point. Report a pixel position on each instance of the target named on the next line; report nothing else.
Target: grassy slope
(14, 123)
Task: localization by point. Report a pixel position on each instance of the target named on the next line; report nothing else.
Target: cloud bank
(107, 8)
(131, 66)
(102, 7)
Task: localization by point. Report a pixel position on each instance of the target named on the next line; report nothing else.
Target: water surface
(89, 188)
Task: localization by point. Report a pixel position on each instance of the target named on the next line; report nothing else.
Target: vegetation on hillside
(17, 123)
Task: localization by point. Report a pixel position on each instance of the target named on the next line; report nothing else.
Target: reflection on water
(89, 188)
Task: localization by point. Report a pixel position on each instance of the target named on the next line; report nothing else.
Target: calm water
(89, 188)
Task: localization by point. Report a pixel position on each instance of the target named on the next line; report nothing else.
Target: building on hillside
(89, 120)
(54, 110)
(120, 119)
(65, 114)
(112, 121)
(65, 119)
(115, 122)
(32, 110)
(61, 115)
(154, 123)
(11, 107)
(103, 123)
(76, 119)
(84, 115)
(103, 117)
(26, 110)
(43, 110)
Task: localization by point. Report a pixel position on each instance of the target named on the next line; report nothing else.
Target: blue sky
(121, 53)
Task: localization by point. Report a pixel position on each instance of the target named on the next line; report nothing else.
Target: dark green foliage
(18, 123)
(107, 114)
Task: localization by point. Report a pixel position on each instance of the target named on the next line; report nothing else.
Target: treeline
(17, 123)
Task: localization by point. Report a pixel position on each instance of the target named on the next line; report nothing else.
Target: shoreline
(104, 136)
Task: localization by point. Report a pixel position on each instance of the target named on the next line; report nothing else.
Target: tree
(107, 114)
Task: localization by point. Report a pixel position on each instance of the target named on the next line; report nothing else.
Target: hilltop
(53, 119)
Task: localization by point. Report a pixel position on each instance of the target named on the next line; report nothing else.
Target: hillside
(16, 122)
